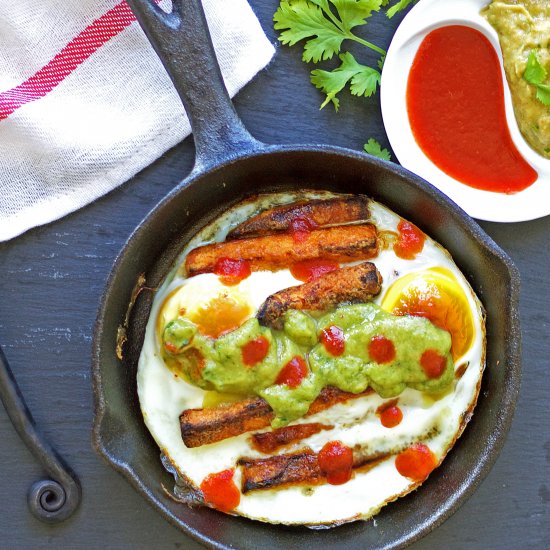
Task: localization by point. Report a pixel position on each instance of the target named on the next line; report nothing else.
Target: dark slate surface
(52, 278)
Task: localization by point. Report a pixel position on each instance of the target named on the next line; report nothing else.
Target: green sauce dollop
(220, 366)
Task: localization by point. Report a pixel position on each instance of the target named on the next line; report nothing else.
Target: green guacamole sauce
(523, 26)
(217, 364)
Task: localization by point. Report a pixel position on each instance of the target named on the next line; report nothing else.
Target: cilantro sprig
(363, 79)
(396, 8)
(324, 25)
(372, 147)
(536, 74)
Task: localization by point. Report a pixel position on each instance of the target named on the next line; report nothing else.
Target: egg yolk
(436, 295)
(222, 314)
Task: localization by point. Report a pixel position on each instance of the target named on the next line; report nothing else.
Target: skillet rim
(460, 218)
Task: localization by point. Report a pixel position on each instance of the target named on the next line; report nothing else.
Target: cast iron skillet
(231, 165)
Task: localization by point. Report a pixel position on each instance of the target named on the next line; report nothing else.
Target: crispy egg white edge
(163, 396)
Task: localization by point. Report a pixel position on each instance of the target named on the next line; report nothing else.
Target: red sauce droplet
(410, 241)
(254, 352)
(333, 339)
(390, 414)
(170, 348)
(416, 462)
(432, 363)
(300, 228)
(336, 462)
(195, 363)
(381, 350)
(230, 271)
(455, 102)
(220, 491)
(293, 372)
(309, 270)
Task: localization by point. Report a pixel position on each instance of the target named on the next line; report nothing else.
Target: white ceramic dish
(427, 15)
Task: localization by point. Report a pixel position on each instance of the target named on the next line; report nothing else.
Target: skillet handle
(50, 500)
(182, 41)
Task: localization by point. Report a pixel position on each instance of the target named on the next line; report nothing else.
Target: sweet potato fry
(204, 426)
(294, 469)
(273, 252)
(359, 283)
(268, 442)
(265, 473)
(319, 213)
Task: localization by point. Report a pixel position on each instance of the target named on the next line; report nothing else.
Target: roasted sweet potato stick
(265, 473)
(339, 244)
(359, 283)
(268, 442)
(204, 426)
(293, 469)
(319, 213)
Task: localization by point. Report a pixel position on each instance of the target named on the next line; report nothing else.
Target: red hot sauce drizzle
(455, 102)
(254, 352)
(333, 340)
(416, 462)
(309, 270)
(293, 372)
(433, 364)
(410, 241)
(220, 491)
(300, 228)
(336, 461)
(390, 414)
(381, 350)
(230, 271)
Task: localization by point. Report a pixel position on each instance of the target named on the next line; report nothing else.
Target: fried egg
(431, 281)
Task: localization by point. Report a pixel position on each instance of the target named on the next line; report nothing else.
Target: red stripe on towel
(67, 60)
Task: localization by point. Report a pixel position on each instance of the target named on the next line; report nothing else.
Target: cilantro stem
(333, 18)
(365, 43)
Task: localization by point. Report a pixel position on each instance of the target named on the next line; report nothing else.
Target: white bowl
(427, 15)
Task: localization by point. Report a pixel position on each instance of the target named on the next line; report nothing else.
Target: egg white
(163, 395)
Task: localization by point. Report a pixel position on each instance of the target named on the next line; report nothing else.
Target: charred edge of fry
(331, 396)
(300, 468)
(358, 283)
(268, 442)
(322, 212)
(366, 463)
(461, 369)
(281, 470)
(204, 426)
(273, 252)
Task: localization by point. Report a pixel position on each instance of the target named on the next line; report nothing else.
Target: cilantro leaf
(543, 93)
(353, 13)
(536, 74)
(396, 8)
(327, 23)
(300, 19)
(372, 147)
(364, 80)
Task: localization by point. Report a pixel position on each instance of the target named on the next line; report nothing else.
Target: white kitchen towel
(85, 103)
